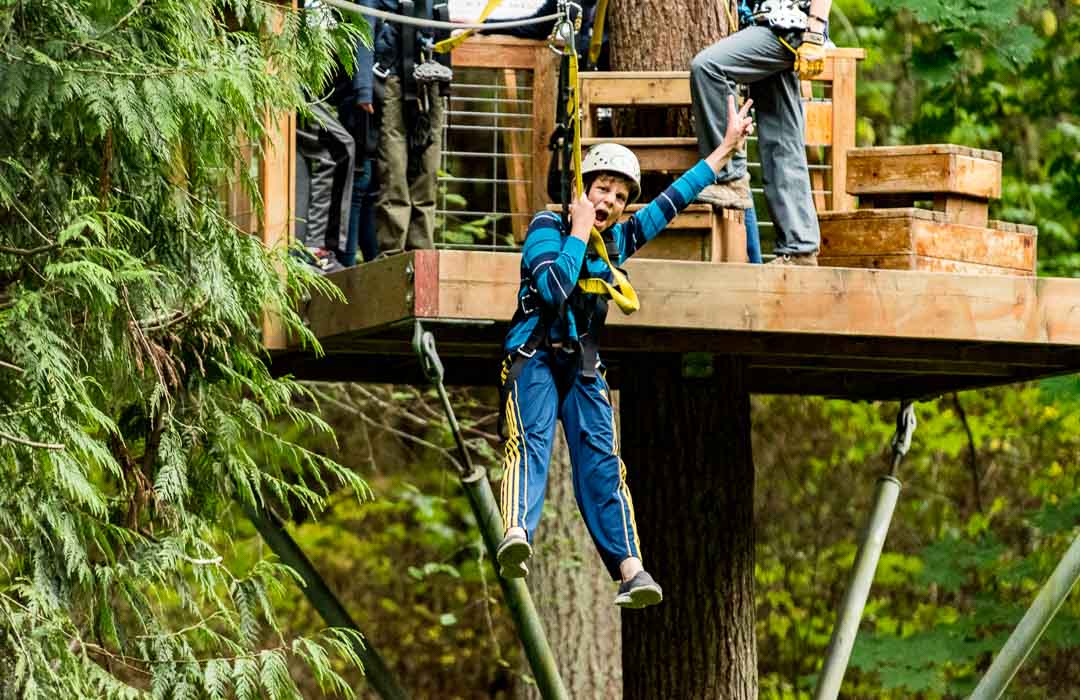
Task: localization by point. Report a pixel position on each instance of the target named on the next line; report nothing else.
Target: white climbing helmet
(614, 158)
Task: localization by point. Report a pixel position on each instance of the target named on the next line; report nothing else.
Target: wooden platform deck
(851, 333)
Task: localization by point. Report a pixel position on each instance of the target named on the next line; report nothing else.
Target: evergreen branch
(123, 19)
(171, 318)
(31, 443)
(26, 252)
(394, 431)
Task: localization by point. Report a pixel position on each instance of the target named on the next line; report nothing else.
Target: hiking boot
(733, 194)
(323, 260)
(639, 592)
(512, 553)
(806, 259)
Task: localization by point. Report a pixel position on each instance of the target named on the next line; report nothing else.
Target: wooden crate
(957, 179)
(919, 239)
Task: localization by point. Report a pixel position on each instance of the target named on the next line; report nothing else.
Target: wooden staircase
(701, 233)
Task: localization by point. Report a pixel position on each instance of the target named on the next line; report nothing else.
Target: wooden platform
(852, 333)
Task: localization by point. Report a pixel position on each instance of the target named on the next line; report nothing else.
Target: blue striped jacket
(552, 260)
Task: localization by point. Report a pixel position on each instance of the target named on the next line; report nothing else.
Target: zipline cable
(432, 23)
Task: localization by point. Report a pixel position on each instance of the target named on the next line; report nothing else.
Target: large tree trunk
(574, 594)
(662, 35)
(686, 443)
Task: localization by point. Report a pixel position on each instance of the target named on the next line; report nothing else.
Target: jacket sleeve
(365, 62)
(553, 260)
(647, 223)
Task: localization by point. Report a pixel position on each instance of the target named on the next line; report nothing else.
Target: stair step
(877, 174)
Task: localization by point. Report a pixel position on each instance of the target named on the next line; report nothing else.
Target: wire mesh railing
(485, 187)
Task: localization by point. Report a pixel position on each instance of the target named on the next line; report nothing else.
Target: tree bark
(574, 593)
(662, 35)
(686, 443)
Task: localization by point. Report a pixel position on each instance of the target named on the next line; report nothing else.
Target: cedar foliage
(135, 398)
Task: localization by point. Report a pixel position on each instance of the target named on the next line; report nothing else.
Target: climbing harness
(489, 520)
(862, 573)
(782, 15)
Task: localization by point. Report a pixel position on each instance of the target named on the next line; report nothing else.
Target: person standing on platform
(784, 43)
(410, 134)
(354, 97)
(552, 370)
(324, 177)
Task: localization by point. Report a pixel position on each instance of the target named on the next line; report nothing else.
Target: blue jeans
(753, 237)
(362, 215)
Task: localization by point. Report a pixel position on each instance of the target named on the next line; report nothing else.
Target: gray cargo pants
(323, 199)
(755, 57)
(405, 209)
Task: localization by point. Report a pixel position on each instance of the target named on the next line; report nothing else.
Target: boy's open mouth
(601, 216)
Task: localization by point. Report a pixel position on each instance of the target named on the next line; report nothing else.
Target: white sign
(469, 10)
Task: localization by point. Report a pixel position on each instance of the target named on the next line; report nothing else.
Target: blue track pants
(550, 387)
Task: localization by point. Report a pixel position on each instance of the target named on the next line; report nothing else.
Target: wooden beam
(381, 293)
(517, 168)
(545, 84)
(475, 285)
(277, 184)
(497, 51)
(843, 131)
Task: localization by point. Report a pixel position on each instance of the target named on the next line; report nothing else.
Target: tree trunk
(686, 443)
(662, 35)
(574, 593)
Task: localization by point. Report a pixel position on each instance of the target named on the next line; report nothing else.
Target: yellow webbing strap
(450, 44)
(597, 32)
(622, 292)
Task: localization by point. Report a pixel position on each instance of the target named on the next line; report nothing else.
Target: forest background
(990, 499)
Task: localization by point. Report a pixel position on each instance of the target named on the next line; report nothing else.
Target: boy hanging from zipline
(553, 370)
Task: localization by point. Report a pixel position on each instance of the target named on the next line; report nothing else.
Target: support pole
(489, 520)
(324, 601)
(862, 575)
(1035, 621)
(866, 561)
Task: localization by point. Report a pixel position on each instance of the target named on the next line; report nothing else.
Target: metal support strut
(866, 561)
(1031, 627)
(489, 519)
(323, 600)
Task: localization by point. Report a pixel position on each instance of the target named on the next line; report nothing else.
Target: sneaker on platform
(805, 259)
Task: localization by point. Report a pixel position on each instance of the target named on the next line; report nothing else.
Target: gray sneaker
(803, 259)
(639, 592)
(512, 553)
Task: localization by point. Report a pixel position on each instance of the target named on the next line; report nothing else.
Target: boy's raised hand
(739, 126)
(739, 123)
(582, 218)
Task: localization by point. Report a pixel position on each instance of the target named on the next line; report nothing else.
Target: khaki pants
(405, 210)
